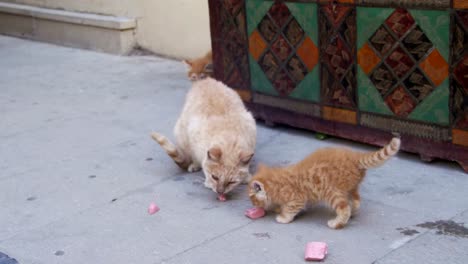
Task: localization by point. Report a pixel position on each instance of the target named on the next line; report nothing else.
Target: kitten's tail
(375, 159)
(171, 150)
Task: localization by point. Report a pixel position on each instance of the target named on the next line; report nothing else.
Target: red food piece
(222, 198)
(255, 212)
(153, 208)
(316, 251)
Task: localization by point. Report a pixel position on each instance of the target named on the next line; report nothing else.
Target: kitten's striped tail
(375, 159)
(171, 150)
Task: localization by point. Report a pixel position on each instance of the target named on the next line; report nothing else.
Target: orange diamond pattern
(435, 67)
(461, 4)
(367, 58)
(256, 45)
(309, 53)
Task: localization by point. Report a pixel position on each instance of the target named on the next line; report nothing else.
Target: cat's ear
(214, 154)
(208, 68)
(245, 157)
(188, 63)
(257, 186)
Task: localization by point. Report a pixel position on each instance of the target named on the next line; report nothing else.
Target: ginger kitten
(215, 133)
(331, 175)
(200, 68)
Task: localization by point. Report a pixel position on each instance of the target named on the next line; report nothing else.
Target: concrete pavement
(78, 170)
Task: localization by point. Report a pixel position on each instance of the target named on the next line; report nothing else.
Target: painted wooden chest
(357, 69)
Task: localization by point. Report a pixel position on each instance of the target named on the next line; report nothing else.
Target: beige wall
(107, 7)
(176, 28)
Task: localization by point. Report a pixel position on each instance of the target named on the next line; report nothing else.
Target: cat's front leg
(208, 183)
(194, 167)
(289, 211)
(343, 213)
(355, 201)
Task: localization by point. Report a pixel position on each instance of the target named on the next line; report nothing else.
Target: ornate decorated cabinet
(357, 69)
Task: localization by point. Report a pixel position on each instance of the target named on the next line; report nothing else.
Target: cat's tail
(375, 159)
(171, 150)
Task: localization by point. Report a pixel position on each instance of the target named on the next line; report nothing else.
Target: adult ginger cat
(200, 68)
(215, 133)
(331, 175)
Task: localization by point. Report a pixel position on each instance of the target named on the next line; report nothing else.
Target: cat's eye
(215, 178)
(231, 182)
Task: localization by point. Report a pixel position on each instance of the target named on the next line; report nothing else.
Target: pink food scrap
(255, 212)
(153, 208)
(222, 197)
(316, 251)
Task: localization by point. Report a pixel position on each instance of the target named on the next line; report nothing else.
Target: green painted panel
(260, 82)
(436, 25)
(369, 20)
(256, 10)
(370, 99)
(309, 88)
(306, 15)
(435, 107)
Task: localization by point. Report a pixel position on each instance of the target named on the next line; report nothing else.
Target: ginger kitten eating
(200, 68)
(331, 175)
(215, 133)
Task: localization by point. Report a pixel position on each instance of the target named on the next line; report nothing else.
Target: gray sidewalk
(78, 170)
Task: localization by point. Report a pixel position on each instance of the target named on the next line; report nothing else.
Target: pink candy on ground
(153, 208)
(222, 198)
(316, 251)
(255, 212)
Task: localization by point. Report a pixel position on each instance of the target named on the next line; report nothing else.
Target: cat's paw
(355, 205)
(335, 224)
(283, 219)
(193, 168)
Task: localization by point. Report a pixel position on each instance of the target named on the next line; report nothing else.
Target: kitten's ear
(188, 63)
(245, 157)
(208, 68)
(257, 186)
(214, 154)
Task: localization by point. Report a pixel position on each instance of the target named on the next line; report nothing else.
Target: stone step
(73, 29)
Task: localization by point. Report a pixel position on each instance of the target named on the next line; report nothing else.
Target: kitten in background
(215, 133)
(200, 68)
(331, 175)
